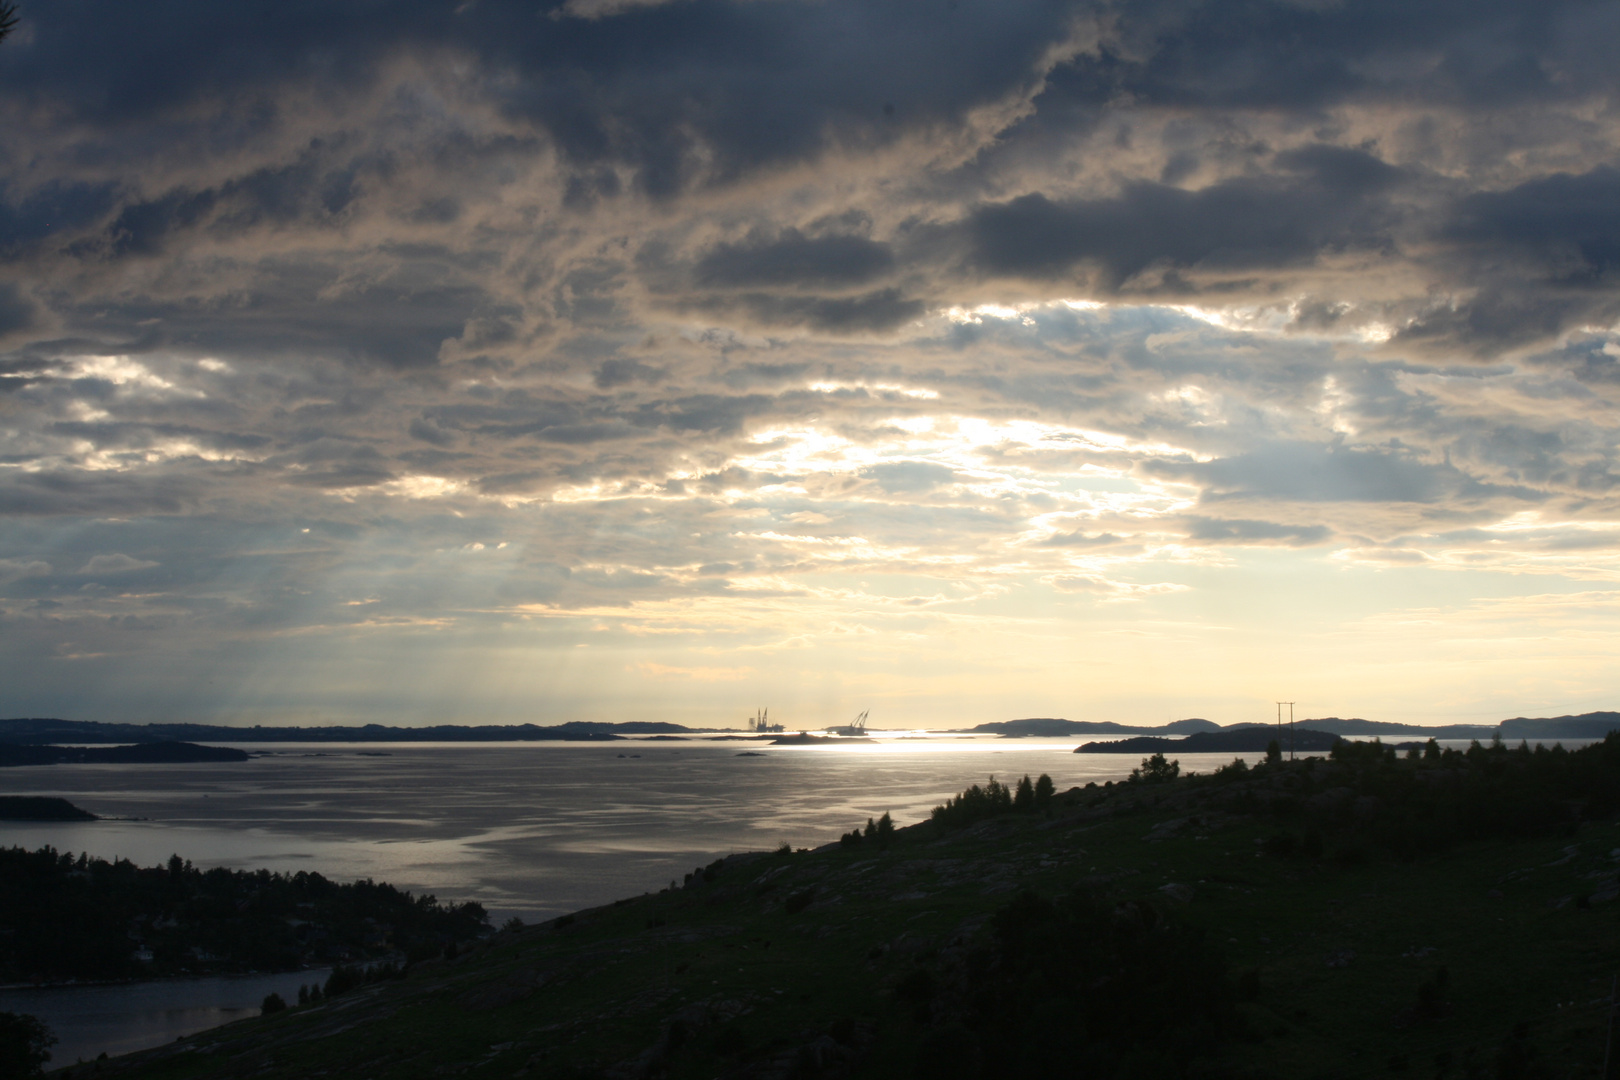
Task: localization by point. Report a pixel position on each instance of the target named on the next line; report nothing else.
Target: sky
(479, 362)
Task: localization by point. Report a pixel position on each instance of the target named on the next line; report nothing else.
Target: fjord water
(113, 1020)
(527, 829)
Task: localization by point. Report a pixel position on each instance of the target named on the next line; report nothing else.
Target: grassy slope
(720, 980)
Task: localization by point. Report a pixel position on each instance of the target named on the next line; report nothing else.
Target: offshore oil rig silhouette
(760, 723)
(856, 726)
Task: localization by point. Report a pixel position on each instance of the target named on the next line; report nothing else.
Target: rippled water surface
(532, 829)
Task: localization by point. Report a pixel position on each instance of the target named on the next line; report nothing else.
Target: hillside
(1449, 915)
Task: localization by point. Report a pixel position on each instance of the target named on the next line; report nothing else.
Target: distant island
(152, 753)
(1243, 740)
(44, 732)
(41, 808)
(91, 731)
(1593, 725)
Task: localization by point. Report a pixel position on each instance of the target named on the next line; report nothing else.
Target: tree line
(995, 798)
(66, 917)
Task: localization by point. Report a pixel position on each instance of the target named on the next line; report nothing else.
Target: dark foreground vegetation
(63, 918)
(1415, 913)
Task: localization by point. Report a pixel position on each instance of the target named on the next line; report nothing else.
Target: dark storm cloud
(755, 83)
(16, 313)
(75, 492)
(502, 304)
(57, 206)
(795, 259)
(1254, 54)
(1570, 225)
(1322, 198)
(346, 128)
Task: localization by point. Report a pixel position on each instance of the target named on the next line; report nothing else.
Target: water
(91, 1020)
(527, 829)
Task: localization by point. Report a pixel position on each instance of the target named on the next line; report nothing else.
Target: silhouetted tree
(343, 979)
(1044, 790)
(1273, 752)
(1024, 796)
(1156, 770)
(975, 804)
(8, 20)
(24, 1045)
(272, 1003)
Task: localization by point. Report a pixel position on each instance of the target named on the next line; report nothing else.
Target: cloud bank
(528, 360)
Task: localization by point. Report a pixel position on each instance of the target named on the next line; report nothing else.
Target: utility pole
(1290, 705)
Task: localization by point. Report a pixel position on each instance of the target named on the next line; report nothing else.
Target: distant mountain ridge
(44, 731)
(1056, 727)
(1593, 725)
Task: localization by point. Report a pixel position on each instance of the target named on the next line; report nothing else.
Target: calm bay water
(527, 829)
(92, 1020)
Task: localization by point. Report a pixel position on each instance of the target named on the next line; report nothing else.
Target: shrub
(975, 804)
(343, 979)
(272, 1003)
(1156, 770)
(24, 1045)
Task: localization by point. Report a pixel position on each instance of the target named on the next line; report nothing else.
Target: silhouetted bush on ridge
(994, 798)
